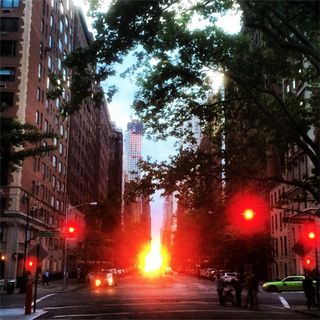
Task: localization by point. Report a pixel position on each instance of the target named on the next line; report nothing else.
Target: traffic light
(308, 238)
(246, 213)
(309, 263)
(31, 264)
(71, 230)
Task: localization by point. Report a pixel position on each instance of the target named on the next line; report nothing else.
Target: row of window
(45, 194)
(283, 246)
(9, 3)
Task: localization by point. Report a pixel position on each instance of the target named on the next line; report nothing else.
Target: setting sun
(153, 259)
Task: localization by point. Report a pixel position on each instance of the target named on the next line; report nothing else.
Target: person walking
(245, 286)
(238, 289)
(308, 288)
(220, 287)
(254, 288)
(46, 276)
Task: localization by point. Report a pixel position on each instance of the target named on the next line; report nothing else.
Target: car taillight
(98, 282)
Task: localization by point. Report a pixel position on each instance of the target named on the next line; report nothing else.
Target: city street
(171, 297)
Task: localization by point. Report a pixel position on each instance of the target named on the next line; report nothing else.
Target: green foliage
(19, 141)
(279, 42)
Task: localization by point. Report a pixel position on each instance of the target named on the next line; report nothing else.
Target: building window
(38, 94)
(46, 125)
(9, 3)
(49, 63)
(61, 130)
(6, 99)
(9, 24)
(37, 117)
(7, 48)
(7, 74)
(60, 167)
(285, 246)
(61, 148)
(60, 45)
(54, 161)
(53, 181)
(52, 204)
(61, 26)
(50, 41)
(39, 71)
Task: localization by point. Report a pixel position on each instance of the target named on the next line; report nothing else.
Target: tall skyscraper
(133, 139)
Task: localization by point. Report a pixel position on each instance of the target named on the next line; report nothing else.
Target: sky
(121, 113)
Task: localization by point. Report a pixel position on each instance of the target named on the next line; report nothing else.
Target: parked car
(291, 283)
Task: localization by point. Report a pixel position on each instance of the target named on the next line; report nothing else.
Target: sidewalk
(14, 313)
(313, 312)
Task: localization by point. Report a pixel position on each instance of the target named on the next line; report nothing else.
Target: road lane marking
(44, 297)
(284, 302)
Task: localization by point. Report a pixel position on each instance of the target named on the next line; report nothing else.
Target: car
(290, 283)
(102, 279)
(168, 270)
(229, 276)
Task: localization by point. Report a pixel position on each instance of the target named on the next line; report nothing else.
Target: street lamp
(64, 254)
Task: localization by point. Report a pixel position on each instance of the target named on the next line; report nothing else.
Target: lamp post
(64, 249)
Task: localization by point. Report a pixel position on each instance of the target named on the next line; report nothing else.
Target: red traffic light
(309, 263)
(71, 230)
(31, 264)
(311, 235)
(247, 213)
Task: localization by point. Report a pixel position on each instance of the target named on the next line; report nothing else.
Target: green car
(291, 283)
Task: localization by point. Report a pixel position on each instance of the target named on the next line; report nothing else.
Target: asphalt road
(171, 297)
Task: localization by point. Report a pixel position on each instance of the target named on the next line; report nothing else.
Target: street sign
(50, 233)
(296, 220)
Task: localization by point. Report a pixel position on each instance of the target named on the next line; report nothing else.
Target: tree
(174, 85)
(19, 141)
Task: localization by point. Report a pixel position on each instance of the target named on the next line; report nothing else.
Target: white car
(168, 270)
(229, 276)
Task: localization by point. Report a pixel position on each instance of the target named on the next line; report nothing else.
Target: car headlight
(98, 282)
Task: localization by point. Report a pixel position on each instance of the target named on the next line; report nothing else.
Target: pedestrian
(308, 288)
(238, 289)
(245, 286)
(79, 274)
(220, 287)
(253, 287)
(47, 275)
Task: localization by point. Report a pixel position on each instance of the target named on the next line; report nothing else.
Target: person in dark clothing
(238, 289)
(308, 288)
(220, 287)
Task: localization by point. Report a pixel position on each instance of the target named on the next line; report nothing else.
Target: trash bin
(10, 286)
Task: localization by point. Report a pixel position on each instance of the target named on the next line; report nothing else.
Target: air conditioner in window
(37, 184)
(33, 208)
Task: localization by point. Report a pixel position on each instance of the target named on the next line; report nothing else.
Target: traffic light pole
(25, 199)
(317, 277)
(64, 249)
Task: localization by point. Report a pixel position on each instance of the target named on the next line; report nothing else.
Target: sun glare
(153, 259)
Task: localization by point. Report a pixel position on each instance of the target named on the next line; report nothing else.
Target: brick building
(35, 37)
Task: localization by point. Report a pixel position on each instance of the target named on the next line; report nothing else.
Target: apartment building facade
(35, 37)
